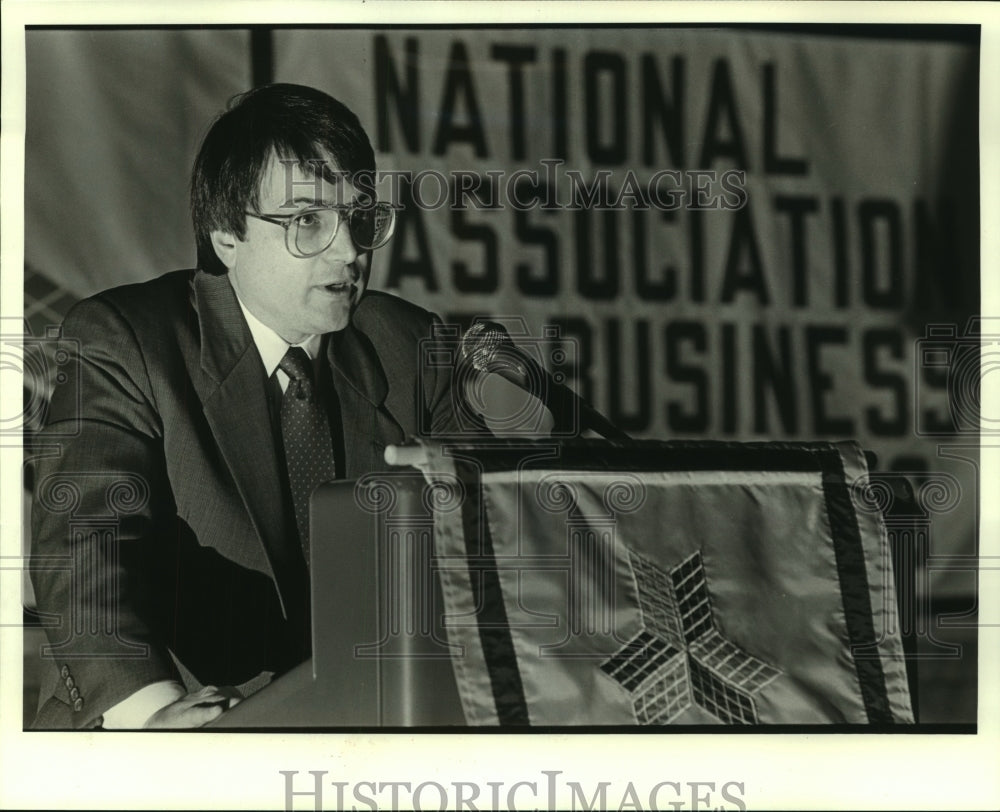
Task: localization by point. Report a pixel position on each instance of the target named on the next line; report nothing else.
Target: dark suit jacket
(161, 527)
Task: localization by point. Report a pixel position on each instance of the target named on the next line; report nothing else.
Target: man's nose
(342, 249)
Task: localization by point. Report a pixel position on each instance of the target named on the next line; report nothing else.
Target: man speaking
(208, 405)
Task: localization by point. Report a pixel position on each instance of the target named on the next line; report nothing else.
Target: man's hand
(195, 709)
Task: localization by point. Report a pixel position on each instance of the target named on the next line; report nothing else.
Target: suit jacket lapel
(362, 388)
(236, 409)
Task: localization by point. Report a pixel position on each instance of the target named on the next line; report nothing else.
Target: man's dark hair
(290, 121)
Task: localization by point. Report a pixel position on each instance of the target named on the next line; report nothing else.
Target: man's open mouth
(340, 287)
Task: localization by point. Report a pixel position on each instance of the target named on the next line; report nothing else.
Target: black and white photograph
(422, 406)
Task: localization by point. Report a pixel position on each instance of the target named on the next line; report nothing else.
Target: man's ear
(224, 244)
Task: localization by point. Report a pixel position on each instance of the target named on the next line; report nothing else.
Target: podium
(380, 656)
(594, 583)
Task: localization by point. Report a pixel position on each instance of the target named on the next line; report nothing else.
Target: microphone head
(502, 383)
(488, 347)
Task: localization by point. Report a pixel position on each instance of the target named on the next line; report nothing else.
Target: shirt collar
(271, 346)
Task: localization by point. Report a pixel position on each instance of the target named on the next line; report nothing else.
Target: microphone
(488, 348)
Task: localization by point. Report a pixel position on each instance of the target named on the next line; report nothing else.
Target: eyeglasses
(311, 231)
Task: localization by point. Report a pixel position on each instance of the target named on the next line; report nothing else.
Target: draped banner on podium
(695, 584)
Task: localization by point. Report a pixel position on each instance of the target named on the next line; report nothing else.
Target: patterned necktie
(305, 431)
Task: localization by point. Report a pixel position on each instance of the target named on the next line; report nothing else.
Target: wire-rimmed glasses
(311, 231)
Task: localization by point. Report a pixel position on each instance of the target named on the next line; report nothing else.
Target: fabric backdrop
(801, 311)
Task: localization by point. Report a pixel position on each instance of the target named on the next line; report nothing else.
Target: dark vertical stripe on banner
(494, 631)
(854, 591)
(261, 56)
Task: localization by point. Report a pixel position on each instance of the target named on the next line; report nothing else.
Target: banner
(722, 233)
(668, 584)
(708, 233)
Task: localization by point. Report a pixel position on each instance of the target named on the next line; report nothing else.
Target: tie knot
(297, 366)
